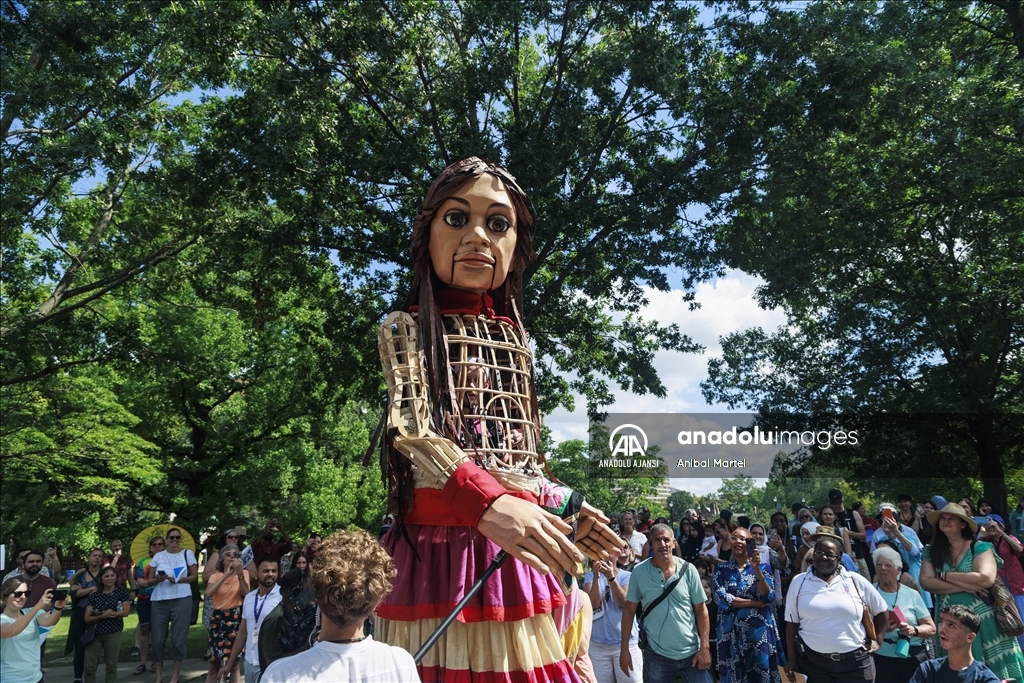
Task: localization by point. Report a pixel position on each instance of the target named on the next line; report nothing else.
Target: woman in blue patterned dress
(748, 639)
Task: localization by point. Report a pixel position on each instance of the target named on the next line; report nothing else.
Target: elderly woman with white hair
(903, 647)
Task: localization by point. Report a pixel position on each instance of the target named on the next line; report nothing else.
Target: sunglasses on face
(156, 544)
(174, 538)
(20, 594)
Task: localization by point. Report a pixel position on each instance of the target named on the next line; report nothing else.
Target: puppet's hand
(594, 537)
(530, 535)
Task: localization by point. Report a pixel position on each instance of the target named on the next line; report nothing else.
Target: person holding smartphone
(906, 541)
(170, 573)
(748, 638)
(19, 632)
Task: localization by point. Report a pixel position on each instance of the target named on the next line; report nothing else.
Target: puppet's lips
(475, 259)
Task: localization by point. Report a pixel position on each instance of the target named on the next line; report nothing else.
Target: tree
(679, 502)
(587, 103)
(873, 159)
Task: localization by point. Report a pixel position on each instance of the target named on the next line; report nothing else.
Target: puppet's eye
(456, 219)
(498, 223)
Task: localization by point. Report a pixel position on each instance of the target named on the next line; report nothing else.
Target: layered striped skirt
(521, 627)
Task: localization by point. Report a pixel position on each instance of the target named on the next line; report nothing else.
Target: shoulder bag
(1007, 614)
(643, 612)
(865, 617)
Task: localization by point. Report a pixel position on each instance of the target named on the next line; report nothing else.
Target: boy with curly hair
(350, 576)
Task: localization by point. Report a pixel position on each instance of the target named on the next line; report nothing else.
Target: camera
(60, 594)
(274, 520)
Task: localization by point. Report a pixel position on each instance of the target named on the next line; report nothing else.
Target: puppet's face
(473, 236)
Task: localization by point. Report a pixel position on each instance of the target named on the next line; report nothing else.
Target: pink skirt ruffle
(450, 560)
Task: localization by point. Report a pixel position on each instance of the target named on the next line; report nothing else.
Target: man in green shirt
(678, 627)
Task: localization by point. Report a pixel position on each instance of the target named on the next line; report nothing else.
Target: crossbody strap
(664, 594)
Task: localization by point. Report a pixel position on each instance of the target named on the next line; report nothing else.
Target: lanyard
(257, 608)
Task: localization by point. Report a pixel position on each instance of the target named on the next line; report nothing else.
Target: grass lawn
(55, 643)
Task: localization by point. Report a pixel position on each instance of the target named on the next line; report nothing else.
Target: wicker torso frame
(491, 367)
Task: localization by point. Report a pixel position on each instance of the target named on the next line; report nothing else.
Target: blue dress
(749, 645)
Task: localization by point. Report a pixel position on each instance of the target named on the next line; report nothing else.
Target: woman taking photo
(19, 633)
(825, 612)
(105, 611)
(896, 661)
(958, 570)
(84, 583)
(748, 639)
(226, 587)
(170, 573)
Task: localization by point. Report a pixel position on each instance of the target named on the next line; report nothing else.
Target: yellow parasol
(139, 549)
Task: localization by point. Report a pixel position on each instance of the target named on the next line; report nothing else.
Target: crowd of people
(832, 593)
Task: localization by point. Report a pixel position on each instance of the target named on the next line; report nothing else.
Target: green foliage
(206, 213)
(874, 153)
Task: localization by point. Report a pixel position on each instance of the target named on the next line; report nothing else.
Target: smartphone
(53, 544)
(59, 594)
(161, 573)
(887, 513)
(751, 546)
(773, 535)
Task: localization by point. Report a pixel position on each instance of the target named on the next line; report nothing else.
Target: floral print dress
(749, 645)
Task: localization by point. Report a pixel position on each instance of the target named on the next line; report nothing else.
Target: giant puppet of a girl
(464, 471)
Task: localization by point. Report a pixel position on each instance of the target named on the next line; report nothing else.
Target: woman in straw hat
(958, 570)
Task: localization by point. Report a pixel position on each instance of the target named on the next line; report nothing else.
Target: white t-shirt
(264, 605)
(830, 614)
(364, 662)
(175, 566)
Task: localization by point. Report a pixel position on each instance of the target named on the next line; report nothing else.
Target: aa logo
(628, 444)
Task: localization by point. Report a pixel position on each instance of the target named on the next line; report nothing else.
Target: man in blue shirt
(958, 627)
(678, 628)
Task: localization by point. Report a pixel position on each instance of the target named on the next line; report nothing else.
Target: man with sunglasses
(606, 585)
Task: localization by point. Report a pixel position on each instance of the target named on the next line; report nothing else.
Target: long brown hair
(940, 551)
(433, 341)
